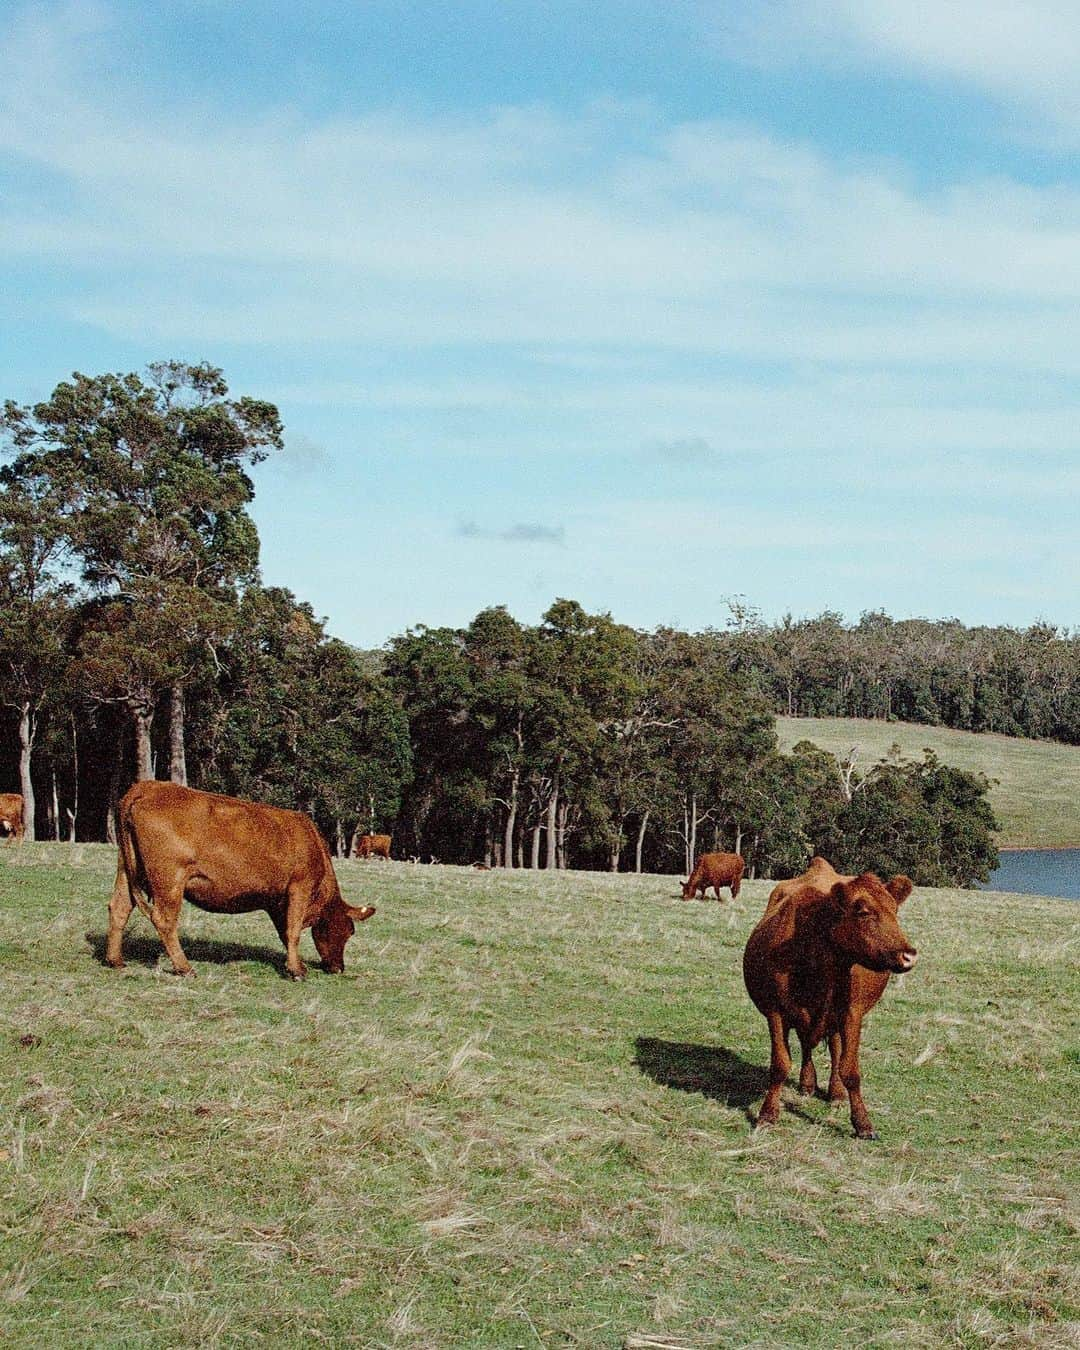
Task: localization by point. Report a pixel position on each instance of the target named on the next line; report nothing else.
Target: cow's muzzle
(905, 961)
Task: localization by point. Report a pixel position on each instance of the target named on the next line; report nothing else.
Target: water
(1038, 871)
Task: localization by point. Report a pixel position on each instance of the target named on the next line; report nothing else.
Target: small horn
(364, 912)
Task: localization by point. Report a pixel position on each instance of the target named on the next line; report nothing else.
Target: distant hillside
(1036, 798)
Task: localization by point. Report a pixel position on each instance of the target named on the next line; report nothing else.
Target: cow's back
(232, 853)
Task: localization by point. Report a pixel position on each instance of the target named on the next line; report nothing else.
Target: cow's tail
(129, 854)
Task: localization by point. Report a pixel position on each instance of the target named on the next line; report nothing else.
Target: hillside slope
(1036, 797)
(522, 1116)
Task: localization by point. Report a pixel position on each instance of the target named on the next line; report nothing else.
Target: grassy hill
(1037, 793)
(522, 1117)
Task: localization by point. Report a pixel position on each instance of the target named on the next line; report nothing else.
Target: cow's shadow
(713, 1070)
(148, 951)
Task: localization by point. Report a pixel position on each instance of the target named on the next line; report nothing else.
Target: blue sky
(644, 305)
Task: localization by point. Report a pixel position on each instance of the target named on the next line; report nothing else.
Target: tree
(34, 610)
(150, 475)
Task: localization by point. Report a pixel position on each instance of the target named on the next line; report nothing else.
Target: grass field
(1036, 795)
(522, 1117)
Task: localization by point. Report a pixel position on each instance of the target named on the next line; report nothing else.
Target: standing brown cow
(12, 822)
(715, 870)
(818, 961)
(228, 857)
(372, 846)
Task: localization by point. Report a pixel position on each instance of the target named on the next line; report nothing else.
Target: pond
(1038, 871)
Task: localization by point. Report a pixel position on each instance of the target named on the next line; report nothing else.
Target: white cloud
(603, 233)
(1024, 53)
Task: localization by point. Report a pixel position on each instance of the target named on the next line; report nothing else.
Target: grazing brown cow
(228, 857)
(11, 815)
(715, 870)
(818, 961)
(372, 846)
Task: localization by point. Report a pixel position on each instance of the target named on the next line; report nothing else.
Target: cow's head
(333, 928)
(867, 929)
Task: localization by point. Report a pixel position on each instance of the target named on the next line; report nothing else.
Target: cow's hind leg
(779, 1068)
(164, 914)
(120, 907)
(837, 1092)
(295, 913)
(807, 1074)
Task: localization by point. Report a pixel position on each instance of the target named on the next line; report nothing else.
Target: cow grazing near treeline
(372, 846)
(226, 856)
(715, 870)
(818, 960)
(12, 822)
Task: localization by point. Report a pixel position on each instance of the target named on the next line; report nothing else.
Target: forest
(137, 640)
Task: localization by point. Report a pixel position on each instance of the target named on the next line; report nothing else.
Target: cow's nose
(907, 959)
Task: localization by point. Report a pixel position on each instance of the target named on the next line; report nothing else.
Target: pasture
(1035, 785)
(521, 1118)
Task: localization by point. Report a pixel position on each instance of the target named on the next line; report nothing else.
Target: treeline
(136, 640)
(1019, 682)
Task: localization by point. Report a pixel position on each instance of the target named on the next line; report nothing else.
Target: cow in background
(818, 960)
(226, 856)
(12, 822)
(371, 846)
(715, 870)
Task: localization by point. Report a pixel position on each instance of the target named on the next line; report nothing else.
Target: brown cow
(715, 870)
(818, 961)
(372, 846)
(820, 874)
(228, 857)
(11, 815)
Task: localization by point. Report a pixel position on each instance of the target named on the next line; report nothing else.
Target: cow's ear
(840, 896)
(364, 912)
(900, 888)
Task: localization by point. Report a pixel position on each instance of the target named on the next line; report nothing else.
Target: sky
(649, 306)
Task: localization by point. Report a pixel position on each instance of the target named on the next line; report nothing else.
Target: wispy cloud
(525, 532)
(1023, 54)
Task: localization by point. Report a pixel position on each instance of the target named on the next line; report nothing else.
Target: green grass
(522, 1118)
(1035, 788)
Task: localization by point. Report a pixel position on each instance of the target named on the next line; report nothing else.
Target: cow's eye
(864, 913)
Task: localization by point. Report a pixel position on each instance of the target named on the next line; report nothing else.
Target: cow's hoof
(187, 971)
(115, 965)
(764, 1122)
(866, 1134)
(298, 974)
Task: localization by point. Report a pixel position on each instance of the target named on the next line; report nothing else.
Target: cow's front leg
(779, 1068)
(851, 1077)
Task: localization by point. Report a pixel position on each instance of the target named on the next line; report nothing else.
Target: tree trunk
(114, 792)
(738, 838)
(511, 820)
(534, 856)
(640, 842)
(560, 856)
(73, 810)
(551, 841)
(143, 716)
(177, 757)
(55, 809)
(339, 831)
(27, 732)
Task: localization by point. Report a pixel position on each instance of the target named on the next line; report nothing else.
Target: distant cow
(715, 870)
(11, 815)
(818, 960)
(372, 846)
(228, 857)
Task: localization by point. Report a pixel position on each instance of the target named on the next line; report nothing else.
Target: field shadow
(147, 951)
(712, 1070)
